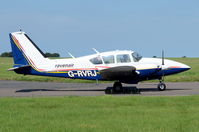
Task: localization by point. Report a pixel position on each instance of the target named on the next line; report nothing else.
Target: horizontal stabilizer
(22, 69)
(12, 69)
(17, 68)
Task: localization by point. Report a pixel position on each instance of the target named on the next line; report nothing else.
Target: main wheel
(161, 86)
(117, 87)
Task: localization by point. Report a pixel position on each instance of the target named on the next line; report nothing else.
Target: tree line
(9, 54)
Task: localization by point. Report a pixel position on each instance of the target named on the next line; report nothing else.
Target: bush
(6, 54)
(9, 54)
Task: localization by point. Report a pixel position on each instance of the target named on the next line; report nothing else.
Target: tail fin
(25, 51)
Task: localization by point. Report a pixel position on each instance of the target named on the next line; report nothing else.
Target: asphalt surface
(34, 89)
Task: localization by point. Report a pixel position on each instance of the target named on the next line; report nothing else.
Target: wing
(119, 73)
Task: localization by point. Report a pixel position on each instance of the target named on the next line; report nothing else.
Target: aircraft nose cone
(185, 67)
(176, 67)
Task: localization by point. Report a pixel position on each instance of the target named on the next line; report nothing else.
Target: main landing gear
(117, 87)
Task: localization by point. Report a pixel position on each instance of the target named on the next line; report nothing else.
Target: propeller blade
(162, 57)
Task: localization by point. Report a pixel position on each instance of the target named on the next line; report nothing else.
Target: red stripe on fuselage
(175, 67)
(77, 69)
(103, 66)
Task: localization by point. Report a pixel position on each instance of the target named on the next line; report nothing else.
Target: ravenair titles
(63, 65)
(82, 73)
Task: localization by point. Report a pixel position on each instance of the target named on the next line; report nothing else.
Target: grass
(100, 114)
(188, 76)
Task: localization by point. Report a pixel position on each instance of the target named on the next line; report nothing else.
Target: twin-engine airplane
(119, 66)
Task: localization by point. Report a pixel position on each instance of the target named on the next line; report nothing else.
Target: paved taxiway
(33, 89)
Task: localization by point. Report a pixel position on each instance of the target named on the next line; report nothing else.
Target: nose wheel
(162, 85)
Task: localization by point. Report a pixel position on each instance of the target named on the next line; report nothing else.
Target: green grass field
(188, 76)
(100, 114)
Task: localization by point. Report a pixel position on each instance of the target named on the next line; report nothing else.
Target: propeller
(162, 66)
(162, 57)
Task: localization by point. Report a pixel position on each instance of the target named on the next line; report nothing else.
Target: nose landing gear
(162, 85)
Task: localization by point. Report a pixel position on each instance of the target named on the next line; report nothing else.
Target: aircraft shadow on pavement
(156, 90)
(126, 90)
(35, 90)
(108, 90)
(135, 90)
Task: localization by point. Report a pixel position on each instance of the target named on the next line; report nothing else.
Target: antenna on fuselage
(20, 30)
(96, 50)
(71, 55)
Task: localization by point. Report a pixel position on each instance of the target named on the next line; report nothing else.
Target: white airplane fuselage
(125, 66)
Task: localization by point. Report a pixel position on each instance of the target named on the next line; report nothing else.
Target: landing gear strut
(117, 87)
(162, 85)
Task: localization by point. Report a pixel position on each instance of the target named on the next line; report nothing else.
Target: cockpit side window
(123, 58)
(136, 56)
(96, 60)
(108, 59)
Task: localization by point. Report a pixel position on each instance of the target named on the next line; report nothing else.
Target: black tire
(161, 86)
(117, 87)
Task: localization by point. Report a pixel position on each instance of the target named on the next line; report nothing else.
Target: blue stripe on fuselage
(73, 74)
(145, 74)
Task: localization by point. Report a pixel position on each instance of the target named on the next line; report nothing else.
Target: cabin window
(97, 60)
(123, 58)
(108, 59)
(136, 56)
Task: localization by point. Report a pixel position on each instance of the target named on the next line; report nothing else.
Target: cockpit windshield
(136, 56)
